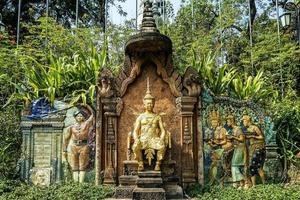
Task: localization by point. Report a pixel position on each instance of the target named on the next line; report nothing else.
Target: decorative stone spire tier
(148, 22)
(148, 39)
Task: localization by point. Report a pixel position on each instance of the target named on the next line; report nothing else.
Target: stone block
(149, 182)
(127, 180)
(173, 191)
(148, 193)
(123, 192)
(149, 173)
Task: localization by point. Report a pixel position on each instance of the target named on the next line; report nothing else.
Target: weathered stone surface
(149, 182)
(123, 192)
(127, 180)
(149, 193)
(272, 166)
(173, 191)
(149, 173)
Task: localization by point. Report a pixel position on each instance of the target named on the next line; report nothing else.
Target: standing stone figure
(149, 134)
(222, 150)
(79, 133)
(257, 151)
(239, 158)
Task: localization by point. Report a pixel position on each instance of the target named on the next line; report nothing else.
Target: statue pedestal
(139, 182)
(272, 166)
(149, 186)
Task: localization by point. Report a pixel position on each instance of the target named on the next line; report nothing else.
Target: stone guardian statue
(79, 133)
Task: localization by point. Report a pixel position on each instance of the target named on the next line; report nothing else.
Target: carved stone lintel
(172, 78)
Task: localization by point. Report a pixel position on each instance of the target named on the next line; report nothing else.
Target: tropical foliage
(69, 191)
(10, 143)
(251, 88)
(216, 79)
(287, 123)
(74, 79)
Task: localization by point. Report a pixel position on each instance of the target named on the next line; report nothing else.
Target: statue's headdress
(84, 114)
(214, 115)
(246, 117)
(231, 116)
(148, 93)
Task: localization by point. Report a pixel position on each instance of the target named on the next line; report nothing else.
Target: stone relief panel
(235, 136)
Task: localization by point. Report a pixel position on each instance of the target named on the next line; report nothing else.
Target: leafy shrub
(10, 142)
(70, 191)
(265, 192)
(286, 115)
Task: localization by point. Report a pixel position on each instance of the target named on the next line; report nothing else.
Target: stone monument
(173, 159)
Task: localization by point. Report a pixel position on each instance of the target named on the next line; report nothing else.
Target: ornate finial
(148, 22)
(148, 93)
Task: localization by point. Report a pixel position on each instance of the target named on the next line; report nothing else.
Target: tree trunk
(252, 14)
(102, 6)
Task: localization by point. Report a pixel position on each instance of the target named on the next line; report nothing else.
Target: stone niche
(165, 104)
(148, 54)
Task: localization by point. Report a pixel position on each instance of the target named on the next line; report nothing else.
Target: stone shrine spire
(148, 22)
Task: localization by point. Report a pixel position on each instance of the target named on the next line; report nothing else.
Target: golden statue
(80, 150)
(149, 134)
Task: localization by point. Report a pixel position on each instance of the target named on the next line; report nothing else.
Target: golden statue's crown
(214, 115)
(148, 93)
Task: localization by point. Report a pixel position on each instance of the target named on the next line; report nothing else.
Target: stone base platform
(149, 186)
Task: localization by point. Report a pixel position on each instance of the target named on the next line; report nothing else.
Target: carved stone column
(106, 139)
(110, 130)
(186, 105)
(192, 83)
